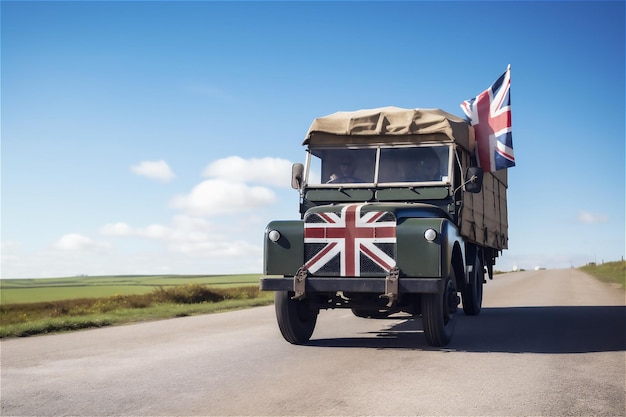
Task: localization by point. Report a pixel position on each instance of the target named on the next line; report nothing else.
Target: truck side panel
(484, 215)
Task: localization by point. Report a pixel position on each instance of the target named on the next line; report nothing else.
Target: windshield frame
(446, 180)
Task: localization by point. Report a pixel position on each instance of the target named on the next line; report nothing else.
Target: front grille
(350, 241)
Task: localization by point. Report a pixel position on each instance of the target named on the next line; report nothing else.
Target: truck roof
(390, 125)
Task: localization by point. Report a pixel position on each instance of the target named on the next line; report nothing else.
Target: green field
(15, 291)
(41, 306)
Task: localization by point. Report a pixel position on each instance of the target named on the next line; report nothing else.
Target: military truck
(395, 217)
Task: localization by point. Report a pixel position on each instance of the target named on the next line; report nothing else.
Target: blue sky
(158, 137)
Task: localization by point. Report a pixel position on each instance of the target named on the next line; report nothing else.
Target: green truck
(395, 216)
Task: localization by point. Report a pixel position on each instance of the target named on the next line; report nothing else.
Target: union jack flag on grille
(352, 243)
(490, 114)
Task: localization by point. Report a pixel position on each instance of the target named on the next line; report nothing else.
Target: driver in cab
(345, 172)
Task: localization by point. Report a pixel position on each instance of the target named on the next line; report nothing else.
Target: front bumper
(377, 285)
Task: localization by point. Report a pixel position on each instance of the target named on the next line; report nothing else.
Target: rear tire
(296, 319)
(473, 291)
(438, 311)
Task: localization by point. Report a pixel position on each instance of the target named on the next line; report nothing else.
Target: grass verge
(614, 272)
(27, 319)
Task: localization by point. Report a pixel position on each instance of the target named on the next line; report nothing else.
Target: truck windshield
(342, 166)
(395, 165)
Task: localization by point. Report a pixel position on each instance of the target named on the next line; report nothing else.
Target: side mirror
(297, 171)
(474, 180)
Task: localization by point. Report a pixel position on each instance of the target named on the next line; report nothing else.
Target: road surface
(547, 343)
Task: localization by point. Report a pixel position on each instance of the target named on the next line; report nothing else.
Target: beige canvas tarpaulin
(391, 124)
(484, 215)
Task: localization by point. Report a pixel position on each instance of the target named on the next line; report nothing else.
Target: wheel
(370, 314)
(473, 292)
(296, 320)
(438, 312)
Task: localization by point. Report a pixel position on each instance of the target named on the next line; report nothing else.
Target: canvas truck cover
(483, 217)
(391, 124)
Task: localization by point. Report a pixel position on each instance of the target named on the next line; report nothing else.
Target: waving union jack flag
(490, 114)
(353, 242)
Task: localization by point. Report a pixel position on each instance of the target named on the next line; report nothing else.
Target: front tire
(296, 319)
(438, 311)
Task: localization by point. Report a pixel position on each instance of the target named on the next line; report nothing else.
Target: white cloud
(196, 236)
(154, 231)
(219, 196)
(158, 170)
(269, 171)
(591, 218)
(77, 242)
(116, 229)
(193, 236)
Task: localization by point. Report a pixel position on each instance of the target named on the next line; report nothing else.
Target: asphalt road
(547, 343)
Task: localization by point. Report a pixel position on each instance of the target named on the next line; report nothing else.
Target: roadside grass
(26, 319)
(613, 272)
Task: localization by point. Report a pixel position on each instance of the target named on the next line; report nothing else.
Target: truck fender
(455, 253)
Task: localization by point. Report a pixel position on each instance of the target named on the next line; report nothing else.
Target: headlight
(430, 235)
(274, 235)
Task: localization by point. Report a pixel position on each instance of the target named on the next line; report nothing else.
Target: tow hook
(391, 286)
(299, 284)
